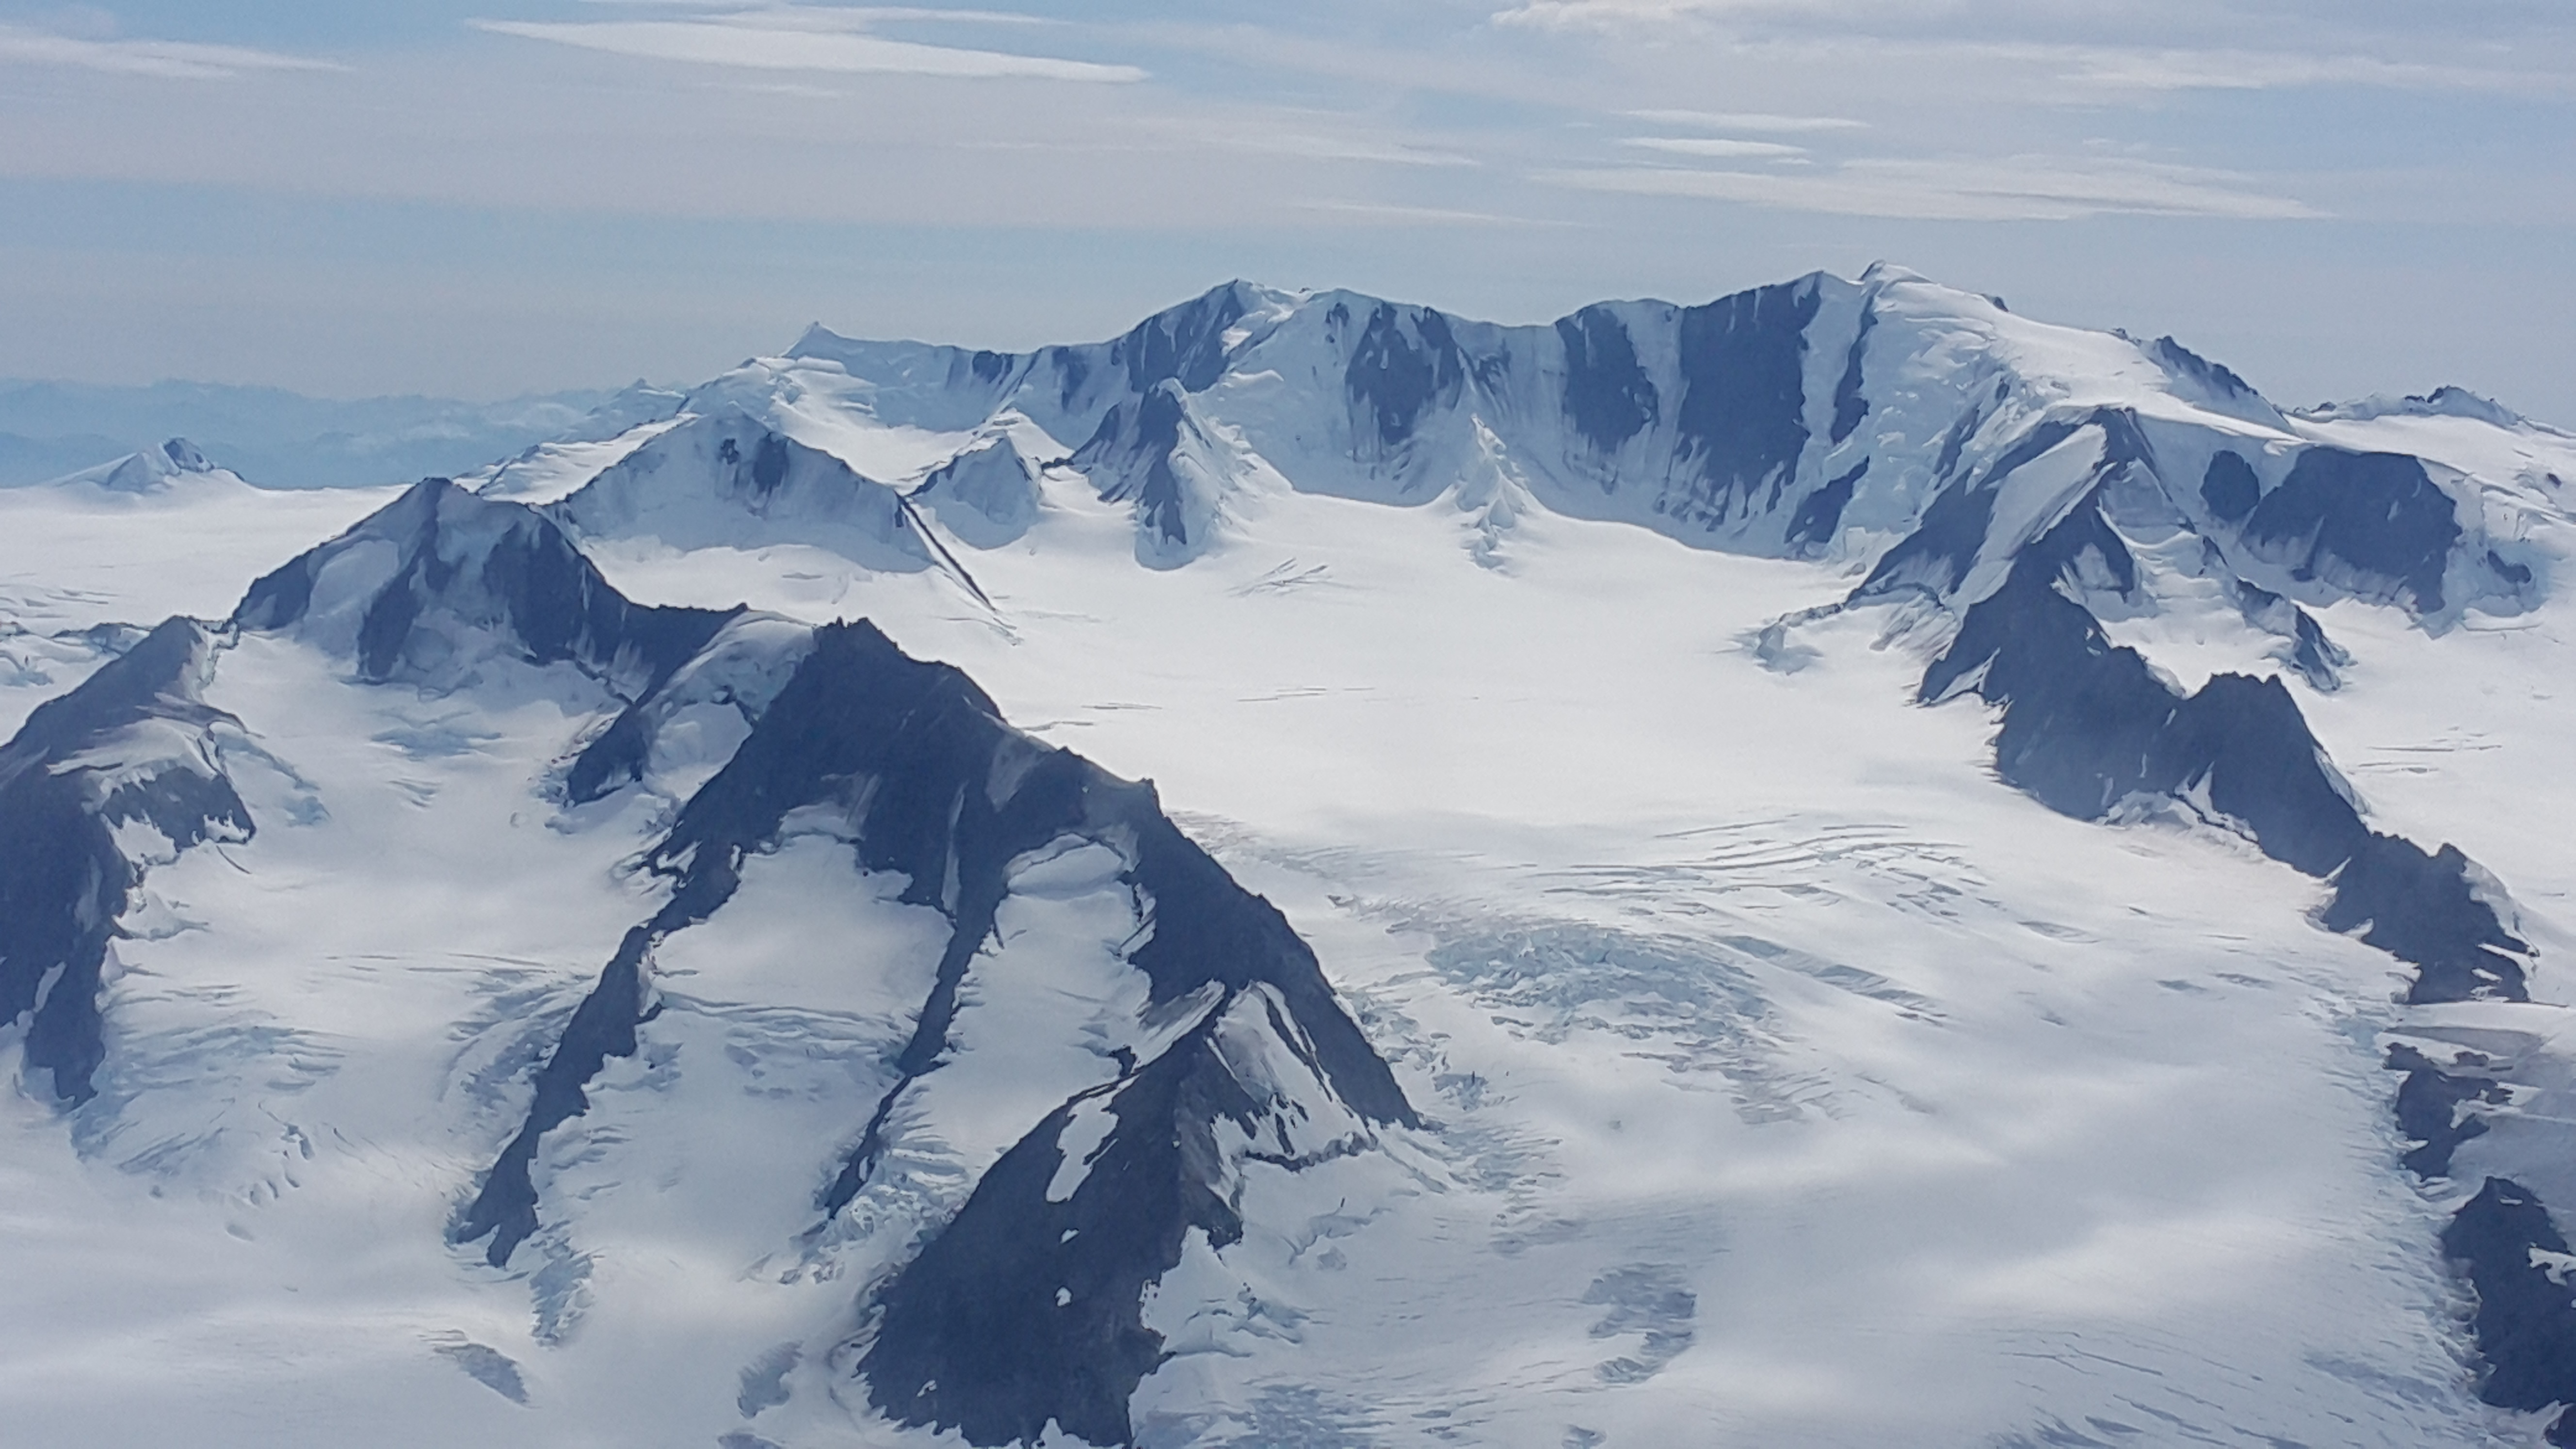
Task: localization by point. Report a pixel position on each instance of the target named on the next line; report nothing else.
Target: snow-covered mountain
(1122, 987)
(152, 470)
(1767, 423)
(1835, 867)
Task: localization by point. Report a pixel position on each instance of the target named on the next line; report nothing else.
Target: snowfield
(1746, 985)
(1776, 1057)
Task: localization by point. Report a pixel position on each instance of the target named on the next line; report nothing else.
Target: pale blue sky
(479, 198)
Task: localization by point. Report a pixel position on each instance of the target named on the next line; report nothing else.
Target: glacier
(1831, 867)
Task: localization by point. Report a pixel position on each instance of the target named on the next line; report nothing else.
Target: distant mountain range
(280, 439)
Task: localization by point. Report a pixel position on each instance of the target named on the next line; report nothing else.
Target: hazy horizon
(483, 201)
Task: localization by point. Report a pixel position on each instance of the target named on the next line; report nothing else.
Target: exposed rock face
(131, 746)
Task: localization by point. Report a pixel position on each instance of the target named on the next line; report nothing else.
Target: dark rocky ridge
(2370, 523)
(2091, 731)
(1936, 556)
(1130, 458)
(1741, 418)
(2088, 726)
(2230, 488)
(1813, 526)
(2429, 1099)
(495, 568)
(1185, 344)
(2526, 1313)
(1608, 395)
(933, 786)
(974, 1336)
(912, 752)
(1851, 403)
(862, 722)
(1693, 421)
(63, 881)
(504, 1207)
(2318, 659)
(460, 561)
(2218, 378)
(1404, 364)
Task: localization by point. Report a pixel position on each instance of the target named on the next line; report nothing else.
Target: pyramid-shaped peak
(441, 578)
(149, 470)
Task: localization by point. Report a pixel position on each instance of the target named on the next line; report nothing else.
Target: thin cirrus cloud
(1172, 141)
(1314, 147)
(2115, 48)
(1718, 147)
(1757, 122)
(2015, 188)
(802, 39)
(161, 59)
(1369, 212)
(2243, 70)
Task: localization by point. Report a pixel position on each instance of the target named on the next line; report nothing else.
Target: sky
(478, 198)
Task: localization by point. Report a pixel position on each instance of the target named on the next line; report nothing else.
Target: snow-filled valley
(1794, 921)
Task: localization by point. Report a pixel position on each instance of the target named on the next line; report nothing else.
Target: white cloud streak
(2017, 188)
(1391, 214)
(842, 17)
(800, 39)
(1277, 139)
(161, 59)
(2242, 70)
(1716, 147)
(1336, 148)
(1605, 14)
(1756, 122)
(2107, 47)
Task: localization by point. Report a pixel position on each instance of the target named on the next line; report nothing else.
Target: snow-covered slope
(1020, 939)
(1817, 419)
(726, 480)
(153, 470)
(732, 1032)
(161, 532)
(987, 495)
(90, 561)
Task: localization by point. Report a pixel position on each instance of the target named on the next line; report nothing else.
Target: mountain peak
(2445, 401)
(184, 457)
(440, 579)
(729, 478)
(149, 470)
